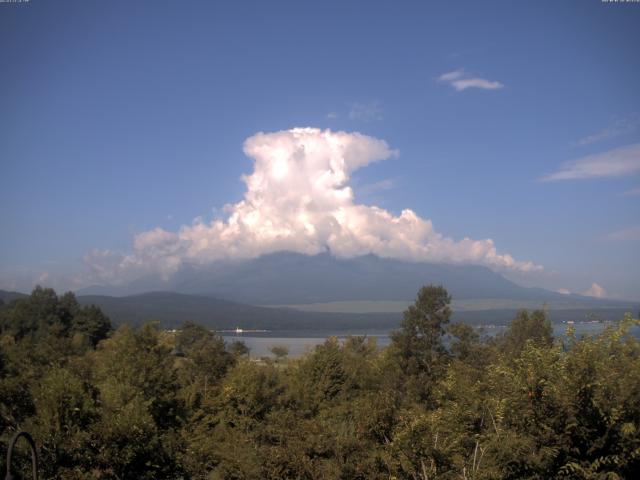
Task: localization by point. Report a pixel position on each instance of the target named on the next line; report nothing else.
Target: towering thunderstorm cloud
(298, 199)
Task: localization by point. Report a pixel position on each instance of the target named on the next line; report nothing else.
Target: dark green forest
(441, 402)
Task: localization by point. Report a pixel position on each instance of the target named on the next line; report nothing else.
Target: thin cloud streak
(631, 193)
(460, 81)
(365, 112)
(613, 163)
(618, 127)
(626, 234)
(380, 186)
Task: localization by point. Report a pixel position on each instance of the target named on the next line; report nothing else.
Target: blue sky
(119, 117)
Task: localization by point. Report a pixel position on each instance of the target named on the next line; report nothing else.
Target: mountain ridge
(292, 278)
(173, 309)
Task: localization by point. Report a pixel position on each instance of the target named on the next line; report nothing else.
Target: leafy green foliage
(418, 345)
(527, 327)
(440, 402)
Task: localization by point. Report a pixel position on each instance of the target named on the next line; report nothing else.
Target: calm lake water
(300, 342)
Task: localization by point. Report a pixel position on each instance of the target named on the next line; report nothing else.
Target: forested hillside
(143, 403)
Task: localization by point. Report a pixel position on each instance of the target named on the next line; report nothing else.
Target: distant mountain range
(290, 291)
(173, 309)
(7, 296)
(287, 278)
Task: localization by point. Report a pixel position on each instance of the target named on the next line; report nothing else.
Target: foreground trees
(441, 402)
(417, 347)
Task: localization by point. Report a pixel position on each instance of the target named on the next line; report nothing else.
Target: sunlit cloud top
(298, 199)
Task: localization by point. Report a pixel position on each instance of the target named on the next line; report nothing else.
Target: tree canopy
(442, 401)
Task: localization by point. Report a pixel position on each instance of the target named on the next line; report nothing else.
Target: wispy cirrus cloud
(359, 111)
(612, 163)
(631, 193)
(460, 80)
(365, 112)
(626, 234)
(618, 127)
(375, 187)
(23, 278)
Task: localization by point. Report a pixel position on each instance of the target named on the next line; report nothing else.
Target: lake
(300, 342)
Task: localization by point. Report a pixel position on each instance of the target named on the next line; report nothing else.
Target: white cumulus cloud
(460, 80)
(595, 291)
(298, 198)
(612, 163)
